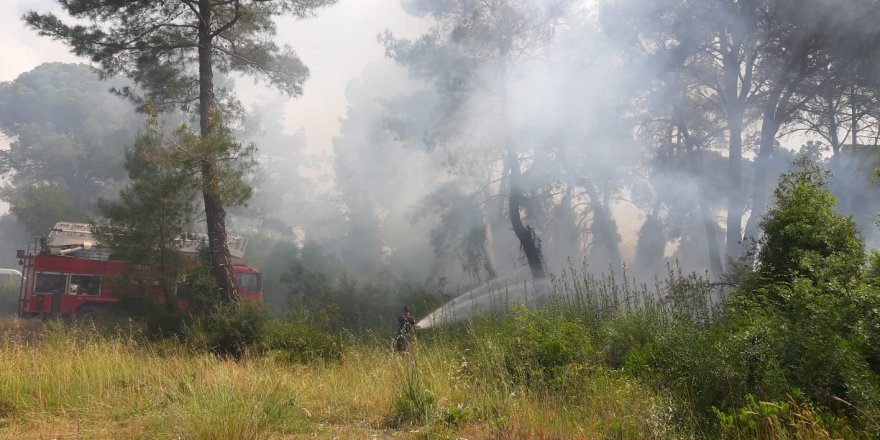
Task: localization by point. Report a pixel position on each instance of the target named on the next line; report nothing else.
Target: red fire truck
(69, 274)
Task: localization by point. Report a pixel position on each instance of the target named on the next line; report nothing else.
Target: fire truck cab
(69, 274)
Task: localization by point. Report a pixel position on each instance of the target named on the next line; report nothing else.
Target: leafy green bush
(415, 403)
(370, 303)
(805, 237)
(626, 339)
(161, 322)
(458, 415)
(762, 419)
(301, 341)
(805, 321)
(706, 366)
(685, 360)
(540, 345)
(231, 329)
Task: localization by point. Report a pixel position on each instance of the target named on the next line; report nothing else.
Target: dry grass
(66, 382)
(60, 381)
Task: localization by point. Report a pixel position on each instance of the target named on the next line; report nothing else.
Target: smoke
(607, 173)
(609, 108)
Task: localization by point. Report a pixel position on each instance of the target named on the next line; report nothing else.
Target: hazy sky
(336, 45)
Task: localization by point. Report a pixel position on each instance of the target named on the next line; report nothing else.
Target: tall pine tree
(159, 44)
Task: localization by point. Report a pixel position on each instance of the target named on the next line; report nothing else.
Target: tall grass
(598, 298)
(62, 381)
(76, 382)
(605, 358)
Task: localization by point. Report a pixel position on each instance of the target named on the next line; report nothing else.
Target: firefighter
(406, 326)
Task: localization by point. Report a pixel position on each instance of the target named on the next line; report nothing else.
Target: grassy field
(59, 381)
(603, 360)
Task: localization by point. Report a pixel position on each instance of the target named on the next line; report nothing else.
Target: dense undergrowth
(787, 348)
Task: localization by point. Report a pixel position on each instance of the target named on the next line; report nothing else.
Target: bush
(866, 327)
(301, 341)
(231, 329)
(540, 345)
(805, 237)
(805, 321)
(161, 322)
(371, 303)
(415, 404)
(627, 338)
(458, 415)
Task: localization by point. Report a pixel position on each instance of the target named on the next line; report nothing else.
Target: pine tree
(158, 43)
(145, 224)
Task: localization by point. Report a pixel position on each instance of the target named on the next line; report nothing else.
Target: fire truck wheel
(89, 314)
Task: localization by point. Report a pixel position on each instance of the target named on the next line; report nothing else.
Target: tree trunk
(489, 263)
(524, 234)
(215, 214)
(734, 187)
(736, 95)
(715, 264)
(776, 108)
(833, 137)
(567, 233)
(760, 192)
(604, 228)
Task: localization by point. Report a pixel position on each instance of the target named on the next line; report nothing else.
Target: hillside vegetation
(790, 348)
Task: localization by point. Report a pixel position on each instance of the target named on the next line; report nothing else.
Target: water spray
(494, 296)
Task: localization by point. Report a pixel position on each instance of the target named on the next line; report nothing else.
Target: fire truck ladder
(25, 259)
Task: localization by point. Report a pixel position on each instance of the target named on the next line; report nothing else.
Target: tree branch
(231, 22)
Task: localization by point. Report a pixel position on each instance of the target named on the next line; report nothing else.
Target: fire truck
(69, 274)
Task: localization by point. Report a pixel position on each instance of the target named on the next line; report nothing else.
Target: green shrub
(415, 403)
(762, 419)
(804, 236)
(752, 360)
(163, 323)
(626, 339)
(301, 341)
(458, 415)
(701, 365)
(231, 329)
(686, 360)
(866, 327)
(540, 345)
(805, 321)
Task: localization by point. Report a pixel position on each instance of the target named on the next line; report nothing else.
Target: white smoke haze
(395, 161)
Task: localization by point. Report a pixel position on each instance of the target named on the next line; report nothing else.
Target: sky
(336, 45)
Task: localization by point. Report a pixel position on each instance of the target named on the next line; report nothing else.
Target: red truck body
(68, 285)
(58, 285)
